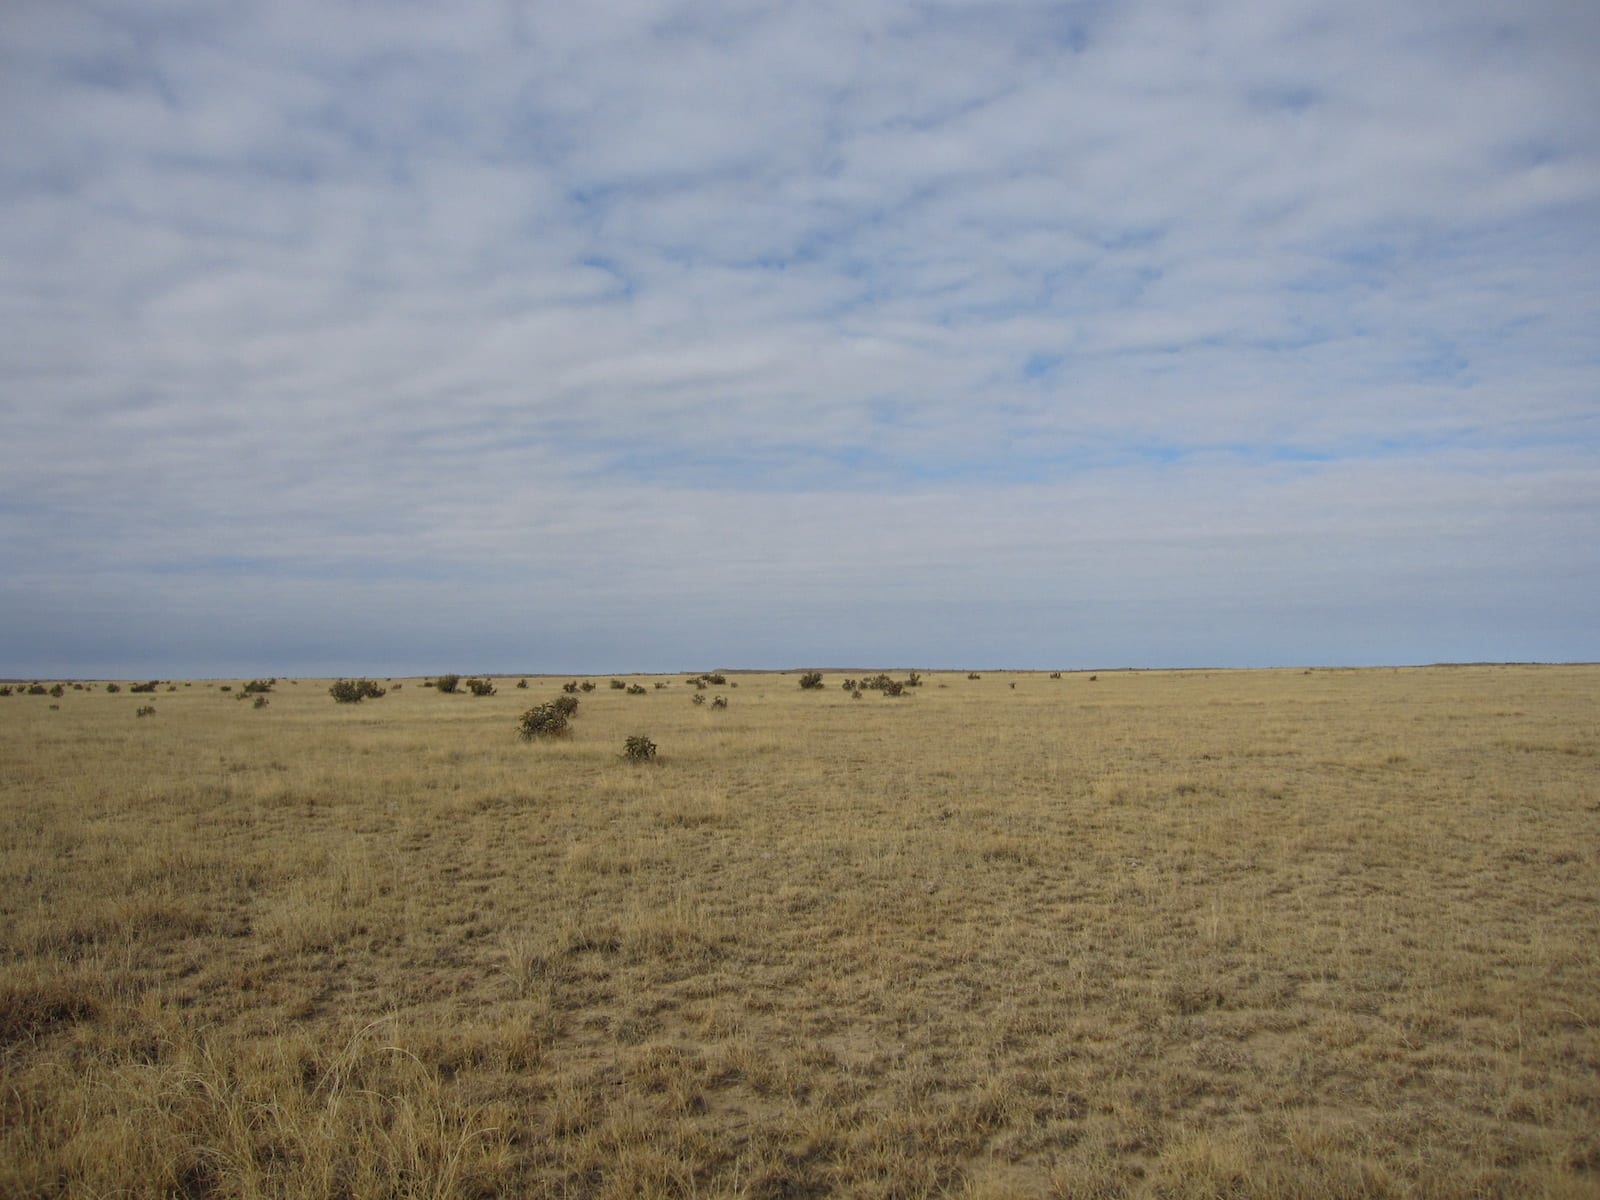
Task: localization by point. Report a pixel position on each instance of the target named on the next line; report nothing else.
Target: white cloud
(679, 314)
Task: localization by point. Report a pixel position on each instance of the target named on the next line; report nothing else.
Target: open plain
(1268, 933)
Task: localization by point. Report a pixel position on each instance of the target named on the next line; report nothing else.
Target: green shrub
(894, 688)
(353, 691)
(570, 687)
(567, 706)
(481, 687)
(635, 689)
(448, 683)
(257, 686)
(58, 691)
(37, 689)
(810, 680)
(586, 686)
(639, 748)
(150, 686)
(542, 720)
(113, 688)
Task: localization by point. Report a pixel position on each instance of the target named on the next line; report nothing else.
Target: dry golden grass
(1162, 934)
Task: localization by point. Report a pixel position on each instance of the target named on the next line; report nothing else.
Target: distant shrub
(639, 748)
(481, 687)
(396, 687)
(145, 710)
(856, 695)
(913, 679)
(850, 685)
(1094, 679)
(258, 686)
(698, 698)
(542, 720)
(261, 702)
(1055, 674)
(5, 689)
(635, 689)
(143, 687)
(522, 685)
(720, 702)
(894, 688)
(37, 689)
(659, 685)
(353, 691)
(429, 683)
(570, 687)
(58, 691)
(973, 675)
(227, 687)
(617, 685)
(810, 680)
(172, 687)
(567, 706)
(586, 686)
(77, 687)
(448, 683)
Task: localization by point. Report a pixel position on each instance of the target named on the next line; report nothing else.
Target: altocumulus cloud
(396, 337)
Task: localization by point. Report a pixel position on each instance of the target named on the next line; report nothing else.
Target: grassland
(1180, 934)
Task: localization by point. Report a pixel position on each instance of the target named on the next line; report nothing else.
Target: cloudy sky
(664, 334)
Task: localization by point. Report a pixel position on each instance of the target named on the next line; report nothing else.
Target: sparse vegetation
(260, 686)
(148, 686)
(522, 685)
(1204, 934)
(617, 685)
(447, 684)
(480, 687)
(635, 689)
(720, 702)
(567, 706)
(145, 710)
(639, 748)
(698, 698)
(586, 686)
(811, 680)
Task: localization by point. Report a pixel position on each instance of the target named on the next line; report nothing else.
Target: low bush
(448, 683)
(720, 702)
(810, 680)
(353, 691)
(261, 702)
(698, 698)
(110, 687)
(58, 691)
(256, 686)
(481, 687)
(586, 686)
(5, 689)
(973, 675)
(570, 687)
(522, 685)
(145, 710)
(617, 685)
(639, 748)
(143, 687)
(567, 706)
(37, 689)
(635, 689)
(542, 720)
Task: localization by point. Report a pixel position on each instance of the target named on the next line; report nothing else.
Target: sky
(658, 335)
